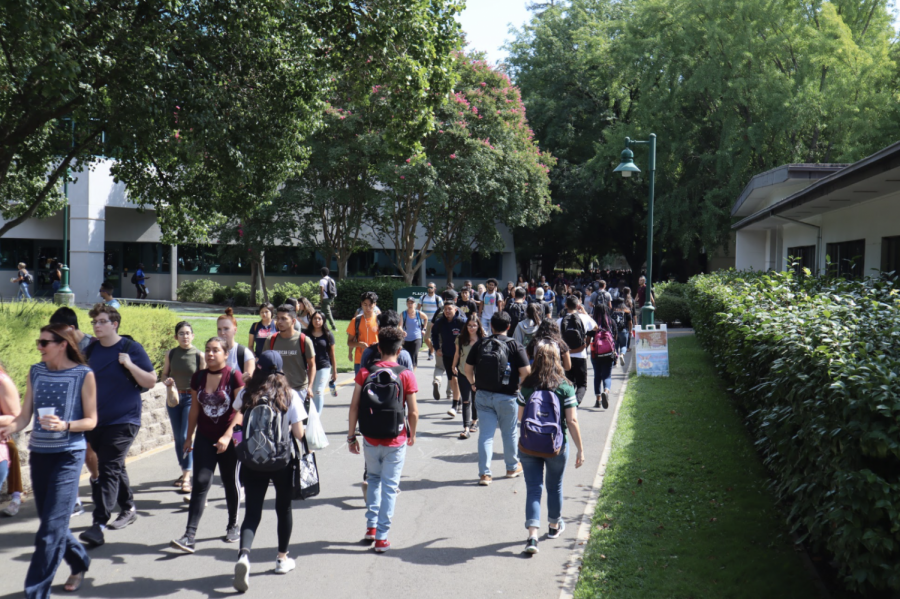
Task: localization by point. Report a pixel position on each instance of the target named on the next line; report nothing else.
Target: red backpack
(603, 345)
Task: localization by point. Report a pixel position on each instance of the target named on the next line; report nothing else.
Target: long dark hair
(547, 332)
(464, 334)
(535, 312)
(310, 329)
(63, 332)
(272, 385)
(601, 316)
(547, 371)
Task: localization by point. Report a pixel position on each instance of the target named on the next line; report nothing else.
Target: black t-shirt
(517, 359)
(321, 345)
(466, 308)
(475, 296)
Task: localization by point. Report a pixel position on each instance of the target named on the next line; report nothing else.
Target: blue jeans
(497, 410)
(320, 383)
(534, 485)
(384, 466)
(4, 471)
(55, 286)
(178, 416)
(622, 341)
(54, 479)
(23, 293)
(357, 368)
(602, 374)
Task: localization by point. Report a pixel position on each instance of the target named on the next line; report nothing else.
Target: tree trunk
(262, 275)
(254, 276)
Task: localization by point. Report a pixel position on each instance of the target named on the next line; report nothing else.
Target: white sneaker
(242, 573)
(622, 359)
(12, 509)
(283, 565)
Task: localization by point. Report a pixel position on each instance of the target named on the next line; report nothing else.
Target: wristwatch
(351, 440)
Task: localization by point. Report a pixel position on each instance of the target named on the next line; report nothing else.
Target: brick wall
(155, 431)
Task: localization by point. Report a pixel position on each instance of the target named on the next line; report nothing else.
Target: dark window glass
(801, 257)
(13, 251)
(890, 254)
(847, 258)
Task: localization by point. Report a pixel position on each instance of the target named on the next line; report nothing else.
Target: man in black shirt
(465, 304)
(495, 367)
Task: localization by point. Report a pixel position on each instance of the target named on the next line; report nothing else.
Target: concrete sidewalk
(450, 537)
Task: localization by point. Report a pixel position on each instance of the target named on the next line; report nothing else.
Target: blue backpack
(541, 433)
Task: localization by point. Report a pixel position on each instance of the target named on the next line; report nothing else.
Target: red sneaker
(370, 534)
(382, 545)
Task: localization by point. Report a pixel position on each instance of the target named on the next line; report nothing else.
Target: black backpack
(128, 342)
(381, 411)
(134, 279)
(266, 446)
(516, 313)
(493, 358)
(619, 319)
(330, 288)
(573, 332)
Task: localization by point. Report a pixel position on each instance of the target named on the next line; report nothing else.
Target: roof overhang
(765, 189)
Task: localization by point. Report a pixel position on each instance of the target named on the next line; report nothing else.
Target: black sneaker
(93, 536)
(436, 389)
(555, 532)
(604, 399)
(185, 543)
(531, 546)
(597, 404)
(232, 534)
(125, 518)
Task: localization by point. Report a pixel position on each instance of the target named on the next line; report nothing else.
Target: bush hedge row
(20, 325)
(815, 363)
(672, 303)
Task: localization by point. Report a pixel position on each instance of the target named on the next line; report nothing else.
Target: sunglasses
(96, 322)
(46, 342)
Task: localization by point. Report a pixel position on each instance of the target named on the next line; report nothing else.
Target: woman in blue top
(62, 395)
(414, 322)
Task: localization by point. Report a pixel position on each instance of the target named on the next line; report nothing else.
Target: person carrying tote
(268, 406)
(61, 402)
(546, 391)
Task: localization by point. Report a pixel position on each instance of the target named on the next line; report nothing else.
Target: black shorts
(448, 366)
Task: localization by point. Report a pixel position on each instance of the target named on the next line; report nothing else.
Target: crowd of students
(516, 362)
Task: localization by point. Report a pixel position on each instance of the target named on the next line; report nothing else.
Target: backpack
(134, 279)
(603, 345)
(381, 411)
(572, 330)
(129, 341)
(266, 446)
(330, 287)
(241, 350)
(493, 359)
(541, 434)
(619, 318)
(517, 314)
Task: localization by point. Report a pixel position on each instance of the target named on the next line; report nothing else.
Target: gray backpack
(266, 445)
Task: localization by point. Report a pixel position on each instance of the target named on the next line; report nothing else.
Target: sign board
(400, 296)
(651, 345)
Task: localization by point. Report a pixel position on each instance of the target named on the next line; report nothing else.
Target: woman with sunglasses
(61, 402)
(413, 322)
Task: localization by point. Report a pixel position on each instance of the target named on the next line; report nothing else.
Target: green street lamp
(626, 167)
(64, 294)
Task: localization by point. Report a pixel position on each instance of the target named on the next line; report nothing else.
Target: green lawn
(205, 327)
(684, 511)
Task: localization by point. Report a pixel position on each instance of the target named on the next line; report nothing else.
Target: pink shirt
(4, 448)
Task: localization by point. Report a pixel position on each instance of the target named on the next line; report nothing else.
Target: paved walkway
(450, 537)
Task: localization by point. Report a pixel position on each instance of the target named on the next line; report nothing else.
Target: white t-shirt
(323, 283)
(589, 325)
(232, 360)
(296, 413)
(490, 301)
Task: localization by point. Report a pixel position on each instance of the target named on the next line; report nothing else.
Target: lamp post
(64, 294)
(626, 167)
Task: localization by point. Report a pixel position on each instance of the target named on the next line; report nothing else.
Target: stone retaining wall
(156, 430)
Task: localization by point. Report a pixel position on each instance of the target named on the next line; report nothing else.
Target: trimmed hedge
(349, 290)
(815, 364)
(20, 325)
(198, 290)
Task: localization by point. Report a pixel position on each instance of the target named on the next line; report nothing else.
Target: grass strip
(685, 511)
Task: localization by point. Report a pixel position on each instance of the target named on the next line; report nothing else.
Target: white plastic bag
(315, 432)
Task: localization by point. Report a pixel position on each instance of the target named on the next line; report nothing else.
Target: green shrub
(671, 288)
(198, 290)
(240, 293)
(814, 363)
(221, 295)
(670, 307)
(153, 328)
(282, 291)
(349, 290)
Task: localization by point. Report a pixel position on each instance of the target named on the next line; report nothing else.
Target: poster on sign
(652, 349)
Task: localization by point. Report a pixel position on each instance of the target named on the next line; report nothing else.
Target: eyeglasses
(46, 342)
(96, 322)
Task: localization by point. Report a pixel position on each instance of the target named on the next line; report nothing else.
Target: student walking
(491, 303)
(546, 391)
(534, 315)
(430, 305)
(443, 338)
(327, 295)
(495, 367)
(629, 304)
(548, 332)
(624, 323)
(575, 325)
(384, 405)
(362, 331)
(10, 408)
(603, 363)
(467, 339)
(180, 365)
(296, 350)
(106, 294)
(238, 357)
(61, 403)
(414, 322)
(262, 330)
(268, 398)
(140, 281)
(122, 368)
(23, 279)
(213, 418)
(326, 364)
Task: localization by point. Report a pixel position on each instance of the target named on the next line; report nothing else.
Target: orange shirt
(368, 333)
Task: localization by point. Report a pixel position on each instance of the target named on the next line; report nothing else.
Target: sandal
(73, 582)
(464, 435)
(178, 481)
(186, 485)
(473, 428)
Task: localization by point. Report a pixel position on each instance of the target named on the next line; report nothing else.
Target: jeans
(470, 412)
(412, 348)
(111, 444)
(357, 368)
(4, 470)
(205, 461)
(578, 377)
(255, 486)
(23, 293)
(621, 341)
(55, 286)
(497, 409)
(326, 310)
(602, 374)
(320, 383)
(178, 416)
(384, 466)
(54, 479)
(534, 485)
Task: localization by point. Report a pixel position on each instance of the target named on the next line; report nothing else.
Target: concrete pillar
(173, 272)
(87, 235)
(422, 273)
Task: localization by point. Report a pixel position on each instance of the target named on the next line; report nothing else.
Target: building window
(890, 254)
(479, 267)
(218, 259)
(847, 258)
(801, 257)
(13, 251)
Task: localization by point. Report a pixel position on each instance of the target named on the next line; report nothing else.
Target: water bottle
(506, 374)
(333, 388)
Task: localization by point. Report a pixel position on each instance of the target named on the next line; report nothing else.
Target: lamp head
(626, 164)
